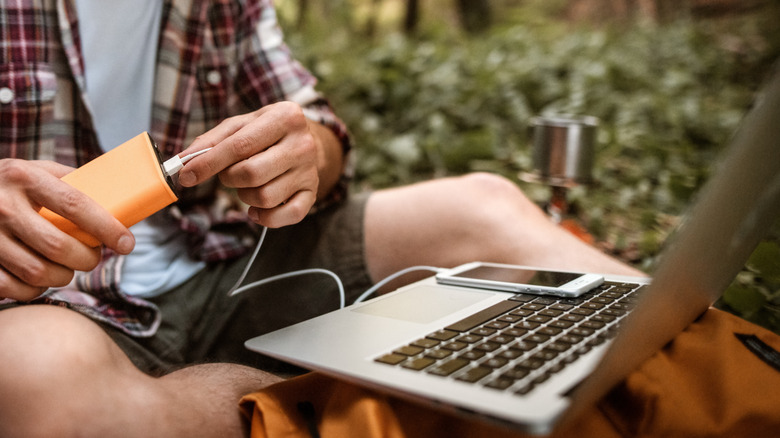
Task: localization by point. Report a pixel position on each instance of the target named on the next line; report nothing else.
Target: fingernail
(186, 178)
(125, 244)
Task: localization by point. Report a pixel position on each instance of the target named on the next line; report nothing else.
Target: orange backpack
(718, 378)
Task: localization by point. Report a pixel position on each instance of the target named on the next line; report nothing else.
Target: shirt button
(213, 77)
(6, 95)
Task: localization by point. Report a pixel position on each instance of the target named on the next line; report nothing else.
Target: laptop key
(474, 374)
(595, 325)
(570, 339)
(425, 343)
(500, 382)
(438, 353)
(495, 362)
(549, 331)
(455, 345)
(541, 319)
(581, 331)
(572, 317)
(525, 389)
(536, 338)
(502, 339)
(449, 367)
(531, 363)
(514, 332)
(516, 373)
(483, 331)
(482, 316)
(443, 335)
(418, 364)
(561, 324)
(522, 312)
(470, 338)
(523, 298)
(560, 347)
(391, 359)
(472, 355)
(487, 346)
(545, 355)
(533, 306)
(498, 325)
(409, 350)
(523, 345)
(527, 325)
(511, 353)
(582, 311)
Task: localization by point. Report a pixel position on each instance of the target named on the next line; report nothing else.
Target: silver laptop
(534, 362)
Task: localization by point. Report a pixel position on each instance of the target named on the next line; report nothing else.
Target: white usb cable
(174, 164)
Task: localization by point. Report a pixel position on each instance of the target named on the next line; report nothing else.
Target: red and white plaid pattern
(216, 59)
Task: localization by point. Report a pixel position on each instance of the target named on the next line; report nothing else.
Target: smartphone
(513, 278)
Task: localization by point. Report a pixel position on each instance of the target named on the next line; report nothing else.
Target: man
(103, 351)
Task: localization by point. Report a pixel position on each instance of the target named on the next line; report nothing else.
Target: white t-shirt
(119, 43)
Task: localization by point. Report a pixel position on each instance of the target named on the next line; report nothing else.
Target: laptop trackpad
(423, 304)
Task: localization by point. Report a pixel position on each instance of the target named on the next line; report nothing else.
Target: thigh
(475, 217)
(442, 222)
(48, 354)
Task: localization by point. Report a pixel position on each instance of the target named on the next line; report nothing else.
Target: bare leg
(63, 376)
(477, 217)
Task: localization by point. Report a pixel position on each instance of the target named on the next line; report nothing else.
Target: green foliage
(668, 98)
(755, 293)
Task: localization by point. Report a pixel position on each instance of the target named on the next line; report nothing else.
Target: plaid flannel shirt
(216, 59)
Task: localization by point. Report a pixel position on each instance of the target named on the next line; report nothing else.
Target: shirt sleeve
(269, 73)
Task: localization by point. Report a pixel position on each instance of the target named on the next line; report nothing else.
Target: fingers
(290, 212)
(46, 240)
(241, 137)
(233, 140)
(270, 156)
(11, 287)
(25, 275)
(34, 254)
(78, 208)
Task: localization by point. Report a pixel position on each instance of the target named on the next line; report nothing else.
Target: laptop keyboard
(519, 343)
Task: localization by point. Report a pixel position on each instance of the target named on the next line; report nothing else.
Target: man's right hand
(34, 254)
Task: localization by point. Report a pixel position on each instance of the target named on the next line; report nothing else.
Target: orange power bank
(128, 181)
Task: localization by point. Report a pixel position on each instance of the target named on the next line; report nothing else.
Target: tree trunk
(412, 18)
(303, 12)
(372, 18)
(474, 15)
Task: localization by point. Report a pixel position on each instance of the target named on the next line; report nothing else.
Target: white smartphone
(513, 278)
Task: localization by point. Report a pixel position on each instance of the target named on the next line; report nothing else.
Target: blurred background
(431, 88)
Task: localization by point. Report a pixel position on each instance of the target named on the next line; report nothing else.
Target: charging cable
(237, 288)
(392, 277)
(175, 164)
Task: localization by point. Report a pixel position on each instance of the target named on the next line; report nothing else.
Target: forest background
(442, 87)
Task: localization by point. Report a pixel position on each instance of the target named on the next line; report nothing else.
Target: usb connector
(173, 165)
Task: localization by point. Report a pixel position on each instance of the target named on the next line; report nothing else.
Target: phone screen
(522, 276)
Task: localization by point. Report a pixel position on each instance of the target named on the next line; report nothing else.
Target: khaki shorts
(201, 323)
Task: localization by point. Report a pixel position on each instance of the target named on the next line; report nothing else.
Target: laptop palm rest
(423, 304)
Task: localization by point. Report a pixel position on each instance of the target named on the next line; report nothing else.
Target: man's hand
(34, 254)
(278, 161)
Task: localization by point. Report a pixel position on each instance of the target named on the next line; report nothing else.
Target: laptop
(535, 362)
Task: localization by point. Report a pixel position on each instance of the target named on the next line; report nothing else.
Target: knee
(493, 195)
(39, 342)
(47, 353)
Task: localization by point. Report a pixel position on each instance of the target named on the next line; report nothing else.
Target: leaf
(745, 299)
(765, 260)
